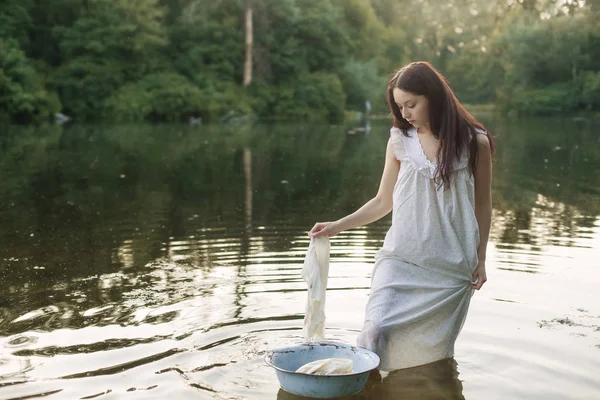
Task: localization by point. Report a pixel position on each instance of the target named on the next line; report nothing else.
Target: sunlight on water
(171, 285)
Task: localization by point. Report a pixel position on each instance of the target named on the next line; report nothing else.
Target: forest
(216, 60)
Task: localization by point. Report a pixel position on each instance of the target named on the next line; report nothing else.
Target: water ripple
(124, 366)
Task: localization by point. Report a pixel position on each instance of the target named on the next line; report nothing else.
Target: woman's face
(414, 108)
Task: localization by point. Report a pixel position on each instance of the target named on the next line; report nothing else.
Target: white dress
(421, 282)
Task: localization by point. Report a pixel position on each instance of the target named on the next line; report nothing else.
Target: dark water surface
(140, 262)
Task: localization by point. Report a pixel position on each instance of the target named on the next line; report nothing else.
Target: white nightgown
(421, 282)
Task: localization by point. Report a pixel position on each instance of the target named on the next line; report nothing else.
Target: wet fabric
(315, 272)
(421, 281)
(327, 366)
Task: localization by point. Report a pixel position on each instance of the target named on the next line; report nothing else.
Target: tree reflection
(80, 204)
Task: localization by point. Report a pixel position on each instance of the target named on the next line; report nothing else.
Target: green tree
(23, 97)
(15, 21)
(156, 97)
(319, 95)
(111, 43)
(207, 41)
(533, 56)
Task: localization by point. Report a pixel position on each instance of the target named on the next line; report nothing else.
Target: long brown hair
(449, 121)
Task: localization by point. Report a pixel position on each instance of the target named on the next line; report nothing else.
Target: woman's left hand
(479, 276)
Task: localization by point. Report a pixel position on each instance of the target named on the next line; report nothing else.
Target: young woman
(437, 183)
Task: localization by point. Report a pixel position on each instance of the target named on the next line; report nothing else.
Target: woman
(437, 183)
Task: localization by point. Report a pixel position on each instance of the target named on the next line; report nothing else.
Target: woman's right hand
(324, 229)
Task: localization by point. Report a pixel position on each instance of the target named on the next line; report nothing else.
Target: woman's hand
(479, 276)
(324, 229)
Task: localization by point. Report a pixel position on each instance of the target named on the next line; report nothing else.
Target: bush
(552, 100)
(361, 81)
(591, 90)
(23, 98)
(156, 97)
(172, 97)
(84, 84)
(316, 96)
(222, 99)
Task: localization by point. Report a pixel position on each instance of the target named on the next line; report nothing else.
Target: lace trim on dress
(406, 150)
(410, 149)
(398, 144)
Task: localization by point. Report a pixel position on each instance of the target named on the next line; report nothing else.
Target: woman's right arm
(376, 208)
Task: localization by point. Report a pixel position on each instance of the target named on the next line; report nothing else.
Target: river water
(140, 262)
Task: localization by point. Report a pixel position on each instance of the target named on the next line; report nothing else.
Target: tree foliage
(173, 59)
(22, 94)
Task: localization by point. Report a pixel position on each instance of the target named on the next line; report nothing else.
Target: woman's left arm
(483, 205)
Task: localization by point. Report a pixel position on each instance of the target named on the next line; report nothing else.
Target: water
(143, 262)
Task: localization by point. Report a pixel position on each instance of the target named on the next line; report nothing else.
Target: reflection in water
(173, 250)
(434, 381)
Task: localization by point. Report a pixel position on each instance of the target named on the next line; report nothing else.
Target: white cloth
(315, 272)
(421, 282)
(327, 366)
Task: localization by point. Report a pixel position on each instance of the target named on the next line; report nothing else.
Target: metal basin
(288, 359)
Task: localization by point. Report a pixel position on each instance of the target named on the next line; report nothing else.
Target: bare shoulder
(482, 141)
